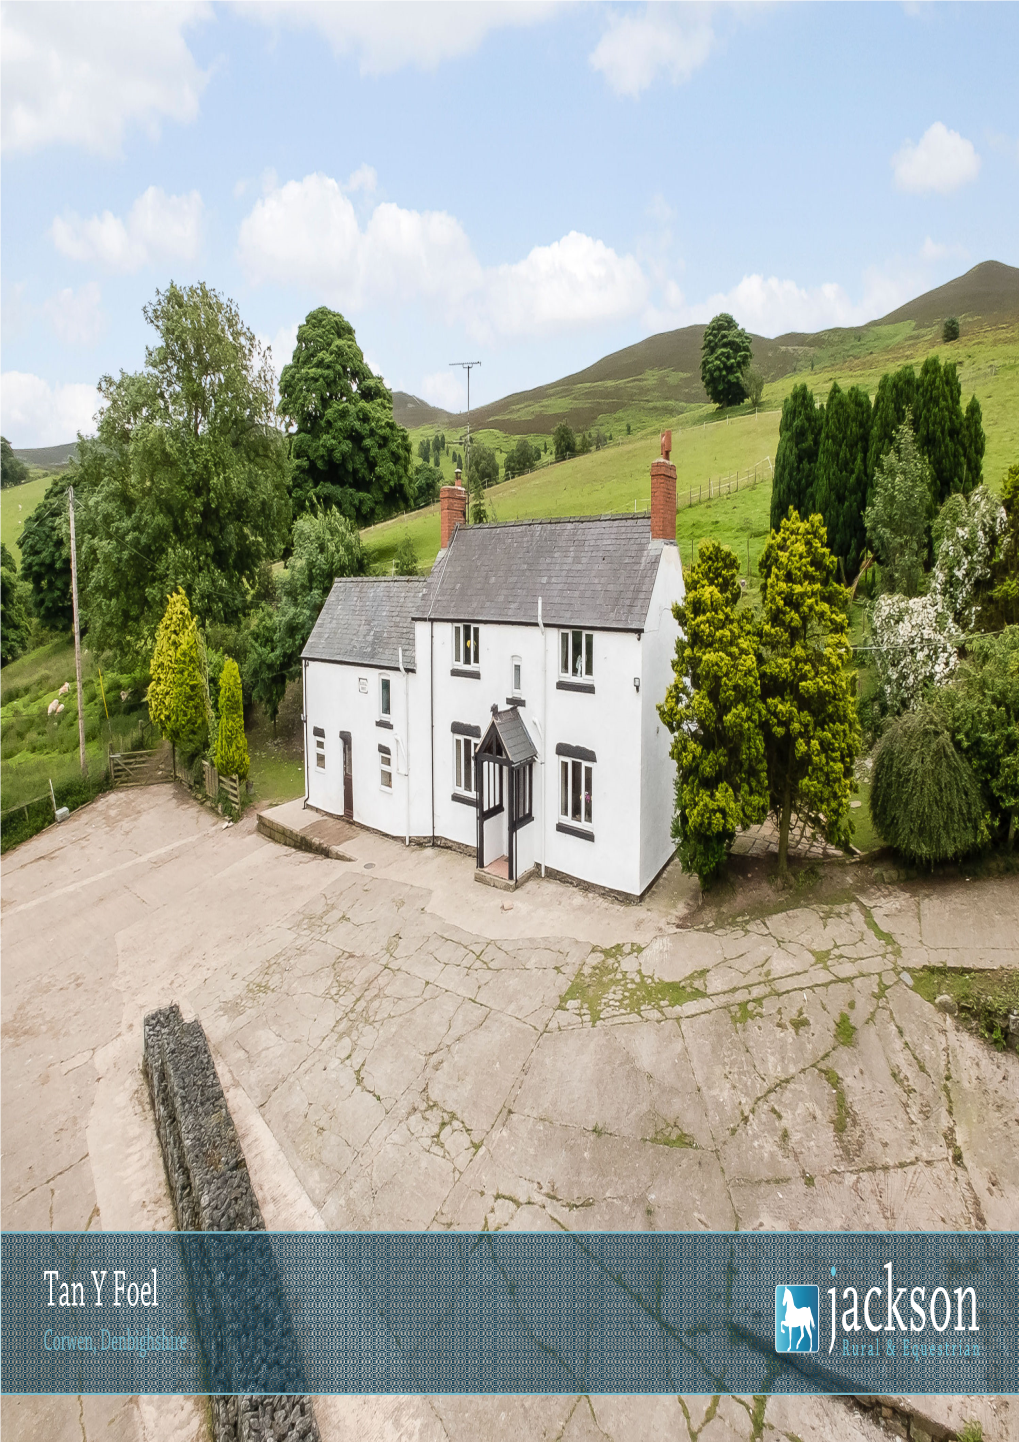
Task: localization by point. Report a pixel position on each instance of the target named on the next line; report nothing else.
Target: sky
(531, 186)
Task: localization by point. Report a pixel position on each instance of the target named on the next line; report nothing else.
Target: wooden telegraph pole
(77, 636)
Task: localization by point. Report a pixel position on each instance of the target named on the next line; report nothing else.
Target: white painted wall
(633, 780)
(658, 770)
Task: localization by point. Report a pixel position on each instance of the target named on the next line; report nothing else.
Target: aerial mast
(467, 365)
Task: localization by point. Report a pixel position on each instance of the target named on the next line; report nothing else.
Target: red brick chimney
(453, 511)
(664, 492)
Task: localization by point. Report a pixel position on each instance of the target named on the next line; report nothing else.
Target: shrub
(231, 757)
(950, 329)
(925, 799)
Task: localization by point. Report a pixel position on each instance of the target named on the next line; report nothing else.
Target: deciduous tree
(800, 433)
(811, 731)
(347, 450)
(752, 378)
(46, 558)
(185, 483)
(713, 709)
(13, 470)
(15, 627)
(898, 519)
(564, 442)
(725, 351)
(925, 798)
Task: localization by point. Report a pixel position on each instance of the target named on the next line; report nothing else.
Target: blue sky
(531, 186)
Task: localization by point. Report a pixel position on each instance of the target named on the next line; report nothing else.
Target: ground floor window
(464, 764)
(575, 791)
(320, 748)
(385, 768)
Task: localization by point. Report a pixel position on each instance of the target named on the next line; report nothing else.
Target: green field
(16, 505)
(706, 447)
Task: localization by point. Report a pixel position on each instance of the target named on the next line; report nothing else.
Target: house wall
(633, 780)
(658, 770)
(341, 697)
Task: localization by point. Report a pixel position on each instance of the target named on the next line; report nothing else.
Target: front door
(348, 779)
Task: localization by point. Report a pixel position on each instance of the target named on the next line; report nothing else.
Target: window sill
(575, 831)
(588, 687)
(516, 701)
(469, 672)
(464, 800)
(386, 725)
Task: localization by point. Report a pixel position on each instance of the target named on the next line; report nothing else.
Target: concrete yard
(402, 1048)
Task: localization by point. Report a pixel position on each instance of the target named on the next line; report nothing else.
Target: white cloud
(32, 413)
(364, 178)
(82, 74)
(445, 389)
(942, 160)
(933, 250)
(307, 233)
(665, 41)
(385, 38)
(282, 346)
(159, 228)
(575, 281)
(76, 317)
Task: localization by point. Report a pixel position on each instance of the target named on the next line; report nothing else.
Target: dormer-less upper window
(577, 655)
(384, 696)
(465, 645)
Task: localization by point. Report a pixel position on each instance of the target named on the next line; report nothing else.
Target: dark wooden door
(348, 780)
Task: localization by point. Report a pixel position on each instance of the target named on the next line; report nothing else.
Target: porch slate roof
(366, 619)
(595, 571)
(513, 736)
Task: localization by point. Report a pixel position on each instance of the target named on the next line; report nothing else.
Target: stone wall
(212, 1192)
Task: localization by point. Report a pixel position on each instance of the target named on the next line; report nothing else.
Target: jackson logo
(796, 1319)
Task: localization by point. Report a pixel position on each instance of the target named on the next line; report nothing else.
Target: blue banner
(509, 1312)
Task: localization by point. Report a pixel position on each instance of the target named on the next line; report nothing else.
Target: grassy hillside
(16, 505)
(705, 447)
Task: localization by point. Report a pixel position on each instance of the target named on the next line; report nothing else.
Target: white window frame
(585, 795)
(385, 697)
(516, 675)
(464, 750)
(577, 647)
(320, 753)
(386, 770)
(465, 645)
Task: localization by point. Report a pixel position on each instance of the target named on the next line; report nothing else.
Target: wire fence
(717, 486)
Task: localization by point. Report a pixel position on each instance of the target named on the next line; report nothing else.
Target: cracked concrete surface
(401, 1050)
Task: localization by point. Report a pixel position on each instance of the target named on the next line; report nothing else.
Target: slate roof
(595, 571)
(513, 736)
(366, 618)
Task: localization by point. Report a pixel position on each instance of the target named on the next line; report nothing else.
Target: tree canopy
(523, 458)
(13, 470)
(347, 450)
(940, 427)
(898, 519)
(725, 353)
(178, 694)
(895, 396)
(185, 483)
(800, 432)
(564, 442)
(841, 479)
(231, 755)
(925, 798)
(811, 731)
(713, 709)
(46, 558)
(15, 627)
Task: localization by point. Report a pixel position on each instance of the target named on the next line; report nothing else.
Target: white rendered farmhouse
(506, 703)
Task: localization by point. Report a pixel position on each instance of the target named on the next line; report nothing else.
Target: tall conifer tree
(896, 394)
(841, 480)
(940, 426)
(800, 431)
(973, 445)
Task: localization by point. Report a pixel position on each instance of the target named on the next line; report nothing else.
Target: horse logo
(796, 1319)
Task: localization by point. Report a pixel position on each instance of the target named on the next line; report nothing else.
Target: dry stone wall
(212, 1192)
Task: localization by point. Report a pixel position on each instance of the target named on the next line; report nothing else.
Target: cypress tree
(940, 426)
(896, 394)
(231, 757)
(800, 431)
(188, 727)
(163, 666)
(973, 439)
(841, 480)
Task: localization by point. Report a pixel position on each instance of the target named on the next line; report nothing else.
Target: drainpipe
(541, 762)
(407, 758)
